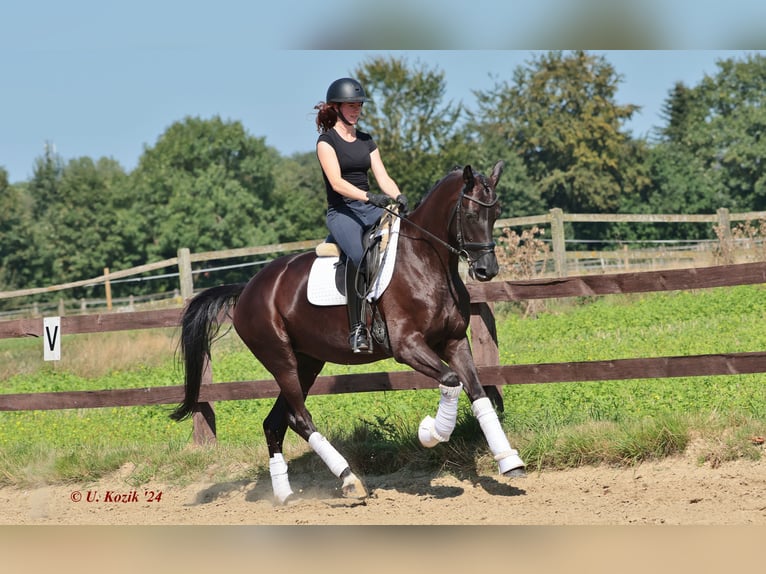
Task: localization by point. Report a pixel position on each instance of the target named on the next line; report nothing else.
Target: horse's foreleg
(508, 460)
(419, 356)
(433, 430)
(459, 356)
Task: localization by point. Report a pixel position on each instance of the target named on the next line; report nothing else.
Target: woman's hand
(378, 199)
(403, 204)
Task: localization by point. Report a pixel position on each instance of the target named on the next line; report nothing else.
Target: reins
(463, 246)
(431, 235)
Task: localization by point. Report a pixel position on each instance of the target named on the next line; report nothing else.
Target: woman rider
(345, 155)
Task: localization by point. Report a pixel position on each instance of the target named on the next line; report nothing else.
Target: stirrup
(359, 339)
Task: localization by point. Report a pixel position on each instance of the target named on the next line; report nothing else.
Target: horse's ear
(497, 171)
(468, 178)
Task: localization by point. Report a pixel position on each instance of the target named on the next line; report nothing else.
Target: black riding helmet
(346, 90)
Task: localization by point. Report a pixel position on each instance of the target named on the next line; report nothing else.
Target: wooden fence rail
(555, 219)
(483, 338)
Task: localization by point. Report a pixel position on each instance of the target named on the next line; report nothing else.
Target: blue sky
(98, 79)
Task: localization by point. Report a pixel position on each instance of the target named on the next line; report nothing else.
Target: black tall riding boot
(359, 337)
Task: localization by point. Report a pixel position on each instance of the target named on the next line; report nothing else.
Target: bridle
(463, 247)
(457, 215)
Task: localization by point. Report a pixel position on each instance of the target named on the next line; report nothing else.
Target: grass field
(553, 425)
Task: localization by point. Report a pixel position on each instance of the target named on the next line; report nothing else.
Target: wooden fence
(565, 263)
(483, 339)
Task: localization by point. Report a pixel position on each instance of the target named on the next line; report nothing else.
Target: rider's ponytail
(327, 115)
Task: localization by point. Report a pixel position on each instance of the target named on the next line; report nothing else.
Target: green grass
(554, 425)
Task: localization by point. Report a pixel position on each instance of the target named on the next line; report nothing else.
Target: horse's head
(474, 218)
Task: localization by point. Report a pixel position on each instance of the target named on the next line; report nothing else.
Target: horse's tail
(200, 323)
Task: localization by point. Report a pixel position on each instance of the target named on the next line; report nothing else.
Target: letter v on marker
(52, 338)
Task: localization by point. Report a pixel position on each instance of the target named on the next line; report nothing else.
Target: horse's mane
(457, 168)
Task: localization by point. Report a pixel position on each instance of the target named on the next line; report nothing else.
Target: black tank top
(354, 161)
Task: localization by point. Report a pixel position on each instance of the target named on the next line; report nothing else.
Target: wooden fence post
(108, 288)
(724, 222)
(724, 235)
(484, 346)
(185, 273)
(557, 239)
(203, 418)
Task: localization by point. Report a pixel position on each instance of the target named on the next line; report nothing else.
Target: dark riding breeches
(347, 224)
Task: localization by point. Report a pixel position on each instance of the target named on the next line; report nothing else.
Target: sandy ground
(676, 491)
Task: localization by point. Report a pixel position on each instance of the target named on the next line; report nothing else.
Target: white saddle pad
(321, 286)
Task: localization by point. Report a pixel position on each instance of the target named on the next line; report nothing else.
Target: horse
(425, 308)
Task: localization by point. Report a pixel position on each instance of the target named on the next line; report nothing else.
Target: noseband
(457, 214)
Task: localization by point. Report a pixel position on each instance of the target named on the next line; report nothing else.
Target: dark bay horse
(426, 309)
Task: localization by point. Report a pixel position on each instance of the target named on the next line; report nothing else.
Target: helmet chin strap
(343, 118)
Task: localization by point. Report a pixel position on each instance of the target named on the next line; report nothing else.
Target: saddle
(327, 284)
(375, 242)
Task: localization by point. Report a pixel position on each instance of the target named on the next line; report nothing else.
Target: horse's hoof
(519, 472)
(353, 488)
(290, 500)
(511, 465)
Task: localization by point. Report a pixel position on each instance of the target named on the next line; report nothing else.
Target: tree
(731, 137)
(205, 185)
(517, 193)
(559, 114)
(679, 184)
(67, 224)
(43, 187)
(15, 223)
(717, 128)
(299, 200)
(416, 131)
(678, 113)
(26, 258)
(88, 220)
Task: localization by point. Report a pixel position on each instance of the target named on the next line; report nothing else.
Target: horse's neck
(431, 248)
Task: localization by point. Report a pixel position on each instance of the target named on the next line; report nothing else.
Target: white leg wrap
(506, 457)
(432, 431)
(331, 457)
(279, 481)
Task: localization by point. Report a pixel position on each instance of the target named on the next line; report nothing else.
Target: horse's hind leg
(295, 415)
(275, 427)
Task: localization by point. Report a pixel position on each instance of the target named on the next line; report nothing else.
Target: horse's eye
(471, 216)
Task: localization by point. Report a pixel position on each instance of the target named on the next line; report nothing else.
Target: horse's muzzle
(484, 267)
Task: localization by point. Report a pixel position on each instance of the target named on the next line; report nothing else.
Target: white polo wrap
(279, 481)
(432, 430)
(506, 457)
(331, 457)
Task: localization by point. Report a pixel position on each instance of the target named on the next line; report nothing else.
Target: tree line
(207, 184)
